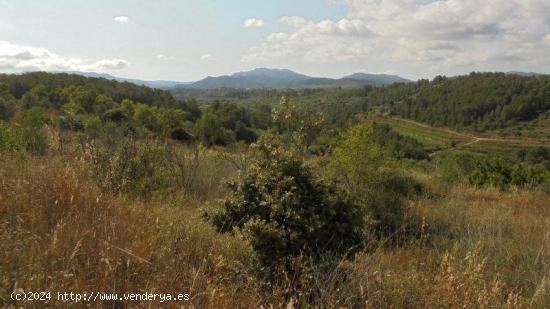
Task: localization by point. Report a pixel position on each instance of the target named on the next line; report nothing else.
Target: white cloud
(121, 19)
(316, 41)
(253, 23)
(162, 57)
(207, 57)
(19, 58)
(445, 35)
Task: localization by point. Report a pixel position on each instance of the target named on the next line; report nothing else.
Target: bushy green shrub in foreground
(285, 212)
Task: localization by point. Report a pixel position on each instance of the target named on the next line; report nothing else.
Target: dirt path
(446, 130)
(474, 139)
(477, 139)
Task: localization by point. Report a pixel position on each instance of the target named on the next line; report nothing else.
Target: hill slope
(377, 78)
(479, 101)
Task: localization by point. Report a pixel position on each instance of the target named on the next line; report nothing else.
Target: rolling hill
(376, 79)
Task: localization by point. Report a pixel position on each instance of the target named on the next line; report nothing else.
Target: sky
(187, 40)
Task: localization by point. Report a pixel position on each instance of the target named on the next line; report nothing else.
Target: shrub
(32, 123)
(242, 133)
(502, 173)
(364, 169)
(7, 108)
(285, 212)
(135, 167)
(200, 172)
(384, 201)
(539, 156)
(525, 175)
(118, 115)
(180, 134)
(494, 171)
(401, 147)
(210, 131)
(11, 142)
(94, 126)
(456, 166)
(72, 122)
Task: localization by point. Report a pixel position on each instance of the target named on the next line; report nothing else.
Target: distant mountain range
(263, 78)
(524, 74)
(161, 84)
(283, 78)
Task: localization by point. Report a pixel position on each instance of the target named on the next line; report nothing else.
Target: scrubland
(60, 232)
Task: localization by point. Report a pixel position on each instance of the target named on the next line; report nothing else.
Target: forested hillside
(479, 101)
(19, 84)
(476, 102)
(87, 105)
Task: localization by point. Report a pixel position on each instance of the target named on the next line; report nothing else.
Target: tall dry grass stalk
(58, 232)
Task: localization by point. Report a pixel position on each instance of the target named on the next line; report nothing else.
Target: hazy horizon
(274, 68)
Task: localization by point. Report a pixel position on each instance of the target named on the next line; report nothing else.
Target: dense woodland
(479, 101)
(248, 198)
(87, 105)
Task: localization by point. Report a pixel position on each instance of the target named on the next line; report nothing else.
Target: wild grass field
(477, 248)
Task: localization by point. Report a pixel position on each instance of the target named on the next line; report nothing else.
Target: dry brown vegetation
(59, 232)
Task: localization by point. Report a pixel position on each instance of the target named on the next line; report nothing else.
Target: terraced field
(438, 140)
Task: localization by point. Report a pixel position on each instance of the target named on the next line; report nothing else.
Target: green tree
(365, 169)
(300, 126)
(210, 131)
(242, 133)
(502, 173)
(7, 107)
(147, 116)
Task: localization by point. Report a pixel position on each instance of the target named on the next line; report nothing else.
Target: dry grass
(484, 249)
(59, 232)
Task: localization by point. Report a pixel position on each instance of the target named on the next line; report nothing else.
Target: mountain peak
(269, 72)
(377, 78)
(270, 78)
